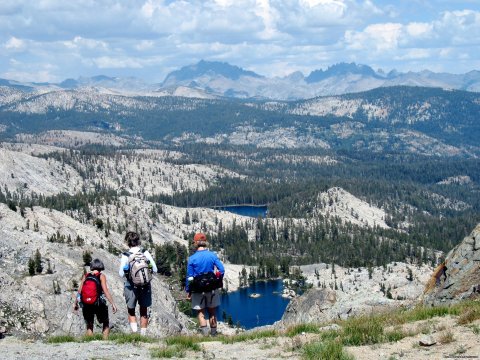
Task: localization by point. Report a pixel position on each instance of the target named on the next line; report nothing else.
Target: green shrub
(120, 338)
(254, 335)
(185, 342)
(94, 337)
(395, 335)
(61, 339)
(329, 350)
(302, 328)
(362, 331)
(329, 335)
(167, 352)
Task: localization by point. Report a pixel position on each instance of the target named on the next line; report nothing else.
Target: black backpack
(205, 282)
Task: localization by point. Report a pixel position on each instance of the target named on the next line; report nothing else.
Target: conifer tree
(38, 262)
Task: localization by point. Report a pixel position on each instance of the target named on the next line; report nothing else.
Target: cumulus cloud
(271, 37)
(106, 62)
(378, 37)
(14, 44)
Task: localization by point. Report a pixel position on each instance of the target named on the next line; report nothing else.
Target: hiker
(137, 266)
(204, 282)
(91, 296)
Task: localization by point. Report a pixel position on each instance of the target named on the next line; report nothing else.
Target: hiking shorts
(209, 299)
(100, 310)
(134, 295)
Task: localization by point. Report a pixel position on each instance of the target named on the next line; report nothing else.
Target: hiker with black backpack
(91, 295)
(137, 266)
(204, 280)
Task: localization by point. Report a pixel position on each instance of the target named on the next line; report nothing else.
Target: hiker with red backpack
(91, 295)
(137, 266)
(204, 280)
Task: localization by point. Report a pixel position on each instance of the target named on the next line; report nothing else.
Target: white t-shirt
(124, 260)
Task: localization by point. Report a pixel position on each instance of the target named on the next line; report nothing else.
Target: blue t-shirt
(201, 262)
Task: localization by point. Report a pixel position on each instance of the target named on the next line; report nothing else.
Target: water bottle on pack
(79, 300)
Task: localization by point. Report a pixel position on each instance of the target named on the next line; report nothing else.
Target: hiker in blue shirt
(204, 281)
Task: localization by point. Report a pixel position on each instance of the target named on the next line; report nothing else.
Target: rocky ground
(448, 340)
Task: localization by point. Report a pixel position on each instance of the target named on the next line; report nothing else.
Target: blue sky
(51, 40)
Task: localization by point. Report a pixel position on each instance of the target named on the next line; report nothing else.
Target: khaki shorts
(209, 299)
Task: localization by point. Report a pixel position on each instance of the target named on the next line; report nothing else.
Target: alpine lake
(261, 303)
(265, 307)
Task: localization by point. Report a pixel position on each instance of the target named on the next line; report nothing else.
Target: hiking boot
(204, 330)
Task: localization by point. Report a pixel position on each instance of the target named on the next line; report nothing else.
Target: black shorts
(100, 310)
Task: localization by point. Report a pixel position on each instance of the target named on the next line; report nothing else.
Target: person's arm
(75, 304)
(103, 281)
(219, 265)
(189, 274)
(123, 262)
(150, 258)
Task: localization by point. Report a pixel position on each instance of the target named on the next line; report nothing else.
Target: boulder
(313, 306)
(458, 277)
(427, 340)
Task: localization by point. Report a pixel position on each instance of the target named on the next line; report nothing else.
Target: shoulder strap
(127, 253)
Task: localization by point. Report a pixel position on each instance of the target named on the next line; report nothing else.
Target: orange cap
(199, 237)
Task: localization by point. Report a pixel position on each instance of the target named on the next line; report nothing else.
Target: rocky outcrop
(42, 304)
(313, 306)
(324, 305)
(339, 293)
(458, 277)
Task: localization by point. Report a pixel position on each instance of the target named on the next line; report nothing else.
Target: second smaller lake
(246, 210)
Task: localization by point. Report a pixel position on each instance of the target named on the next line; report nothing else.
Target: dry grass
(446, 337)
(468, 315)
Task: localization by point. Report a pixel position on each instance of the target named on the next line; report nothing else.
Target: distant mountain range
(209, 79)
(399, 119)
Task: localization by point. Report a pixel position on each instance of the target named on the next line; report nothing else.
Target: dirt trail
(452, 341)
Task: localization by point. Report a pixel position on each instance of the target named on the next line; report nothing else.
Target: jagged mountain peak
(211, 68)
(341, 69)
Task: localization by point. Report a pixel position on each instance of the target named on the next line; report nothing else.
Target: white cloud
(106, 62)
(419, 29)
(78, 43)
(145, 37)
(14, 44)
(34, 76)
(416, 54)
(378, 37)
(143, 45)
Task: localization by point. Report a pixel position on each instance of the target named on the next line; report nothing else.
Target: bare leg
(212, 314)
(201, 318)
(106, 331)
(131, 316)
(143, 318)
(89, 328)
(132, 319)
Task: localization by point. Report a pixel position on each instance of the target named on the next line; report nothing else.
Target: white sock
(143, 331)
(134, 327)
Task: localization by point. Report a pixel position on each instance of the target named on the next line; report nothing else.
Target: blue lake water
(246, 210)
(251, 312)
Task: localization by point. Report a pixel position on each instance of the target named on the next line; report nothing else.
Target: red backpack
(91, 289)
